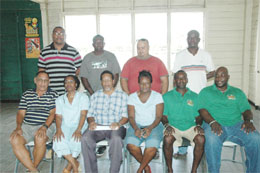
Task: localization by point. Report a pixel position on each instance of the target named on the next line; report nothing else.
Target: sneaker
(100, 151)
(157, 155)
(179, 156)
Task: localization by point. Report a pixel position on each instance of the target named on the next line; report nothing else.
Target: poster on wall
(32, 47)
(32, 39)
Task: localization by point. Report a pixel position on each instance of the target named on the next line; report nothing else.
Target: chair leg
(16, 165)
(124, 150)
(52, 162)
(128, 161)
(234, 153)
(243, 158)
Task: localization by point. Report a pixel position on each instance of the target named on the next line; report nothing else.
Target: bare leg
(149, 153)
(199, 141)
(21, 153)
(136, 152)
(69, 167)
(39, 149)
(168, 150)
(73, 162)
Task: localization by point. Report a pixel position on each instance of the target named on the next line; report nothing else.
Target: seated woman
(71, 111)
(145, 108)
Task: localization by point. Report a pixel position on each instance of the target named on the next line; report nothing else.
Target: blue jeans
(213, 146)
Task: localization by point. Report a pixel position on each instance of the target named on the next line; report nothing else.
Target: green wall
(17, 71)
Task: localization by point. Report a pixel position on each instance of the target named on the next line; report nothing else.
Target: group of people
(206, 116)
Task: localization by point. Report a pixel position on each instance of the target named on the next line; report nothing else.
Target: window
(80, 31)
(153, 27)
(116, 29)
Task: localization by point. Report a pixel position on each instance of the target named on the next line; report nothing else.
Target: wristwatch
(44, 125)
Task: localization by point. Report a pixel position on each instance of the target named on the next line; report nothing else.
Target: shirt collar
(179, 94)
(64, 47)
(215, 88)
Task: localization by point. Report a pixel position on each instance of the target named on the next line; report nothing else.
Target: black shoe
(100, 151)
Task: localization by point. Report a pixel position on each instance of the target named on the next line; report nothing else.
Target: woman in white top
(145, 109)
(71, 111)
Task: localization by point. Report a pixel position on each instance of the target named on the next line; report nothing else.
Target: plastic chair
(29, 146)
(234, 146)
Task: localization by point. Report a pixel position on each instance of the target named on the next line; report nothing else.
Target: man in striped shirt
(59, 60)
(34, 122)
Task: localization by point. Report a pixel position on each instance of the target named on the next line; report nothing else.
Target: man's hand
(58, 135)
(41, 132)
(199, 130)
(77, 135)
(216, 128)
(92, 125)
(115, 126)
(248, 127)
(169, 130)
(138, 133)
(147, 132)
(17, 131)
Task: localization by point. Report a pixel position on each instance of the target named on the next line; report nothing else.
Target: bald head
(221, 78)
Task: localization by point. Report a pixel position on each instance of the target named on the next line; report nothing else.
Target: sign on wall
(32, 39)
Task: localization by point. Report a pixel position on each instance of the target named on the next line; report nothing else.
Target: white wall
(227, 28)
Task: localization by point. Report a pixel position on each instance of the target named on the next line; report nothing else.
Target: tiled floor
(7, 159)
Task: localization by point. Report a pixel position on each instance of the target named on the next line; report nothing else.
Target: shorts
(30, 130)
(153, 140)
(188, 134)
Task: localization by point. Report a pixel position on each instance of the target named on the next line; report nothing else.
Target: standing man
(34, 122)
(198, 65)
(181, 119)
(59, 60)
(107, 107)
(227, 115)
(94, 63)
(144, 61)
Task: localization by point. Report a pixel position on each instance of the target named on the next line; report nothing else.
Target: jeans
(213, 146)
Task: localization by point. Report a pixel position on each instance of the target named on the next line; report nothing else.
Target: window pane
(154, 28)
(116, 30)
(181, 24)
(79, 32)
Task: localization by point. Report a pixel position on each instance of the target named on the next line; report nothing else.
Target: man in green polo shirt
(181, 119)
(222, 108)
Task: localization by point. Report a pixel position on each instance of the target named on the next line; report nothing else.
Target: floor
(7, 158)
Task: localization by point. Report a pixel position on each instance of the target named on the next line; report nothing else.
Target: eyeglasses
(42, 80)
(59, 33)
(69, 81)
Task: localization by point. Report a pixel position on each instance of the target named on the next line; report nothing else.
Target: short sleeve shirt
(107, 109)
(93, 65)
(133, 66)
(226, 108)
(71, 112)
(37, 108)
(181, 110)
(196, 67)
(145, 113)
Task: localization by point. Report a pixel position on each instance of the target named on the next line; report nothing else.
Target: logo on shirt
(190, 102)
(231, 97)
(99, 64)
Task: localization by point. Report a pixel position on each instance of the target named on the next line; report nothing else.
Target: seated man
(181, 119)
(107, 107)
(221, 107)
(34, 118)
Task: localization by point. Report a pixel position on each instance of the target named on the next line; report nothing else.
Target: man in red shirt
(144, 61)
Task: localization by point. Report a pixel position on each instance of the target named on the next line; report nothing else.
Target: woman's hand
(138, 133)
(58, 135)
(147, 132)
(77, 135)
